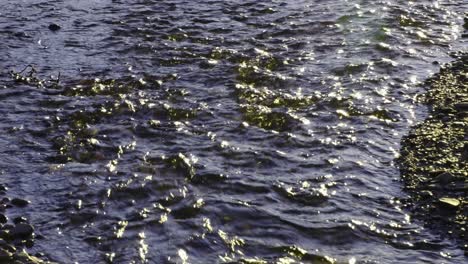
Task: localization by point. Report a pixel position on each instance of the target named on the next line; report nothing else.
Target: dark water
(220, 131)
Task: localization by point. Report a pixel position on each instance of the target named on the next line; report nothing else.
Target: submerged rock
(5, 256)
(19, 202)
(22, 230)
(54, 27)
(3, 219)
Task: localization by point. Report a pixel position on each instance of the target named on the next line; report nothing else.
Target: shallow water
(220, 131)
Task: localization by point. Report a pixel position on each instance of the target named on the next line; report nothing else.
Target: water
(220, 131)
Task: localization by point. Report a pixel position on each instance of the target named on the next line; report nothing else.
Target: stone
(5, 256)
(464, 154)
(8, 226)
(5, 245)
(22, 230)
(461, 107)
(20, 219)
(19, 202)
(426, 193)
(5, 234)
(54, 27)
(445, 178)
(29, 243)
(3, 218)
(450, 202)
(24, 257)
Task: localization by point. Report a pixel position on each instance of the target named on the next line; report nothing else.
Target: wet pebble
(54, 27)
(22, 230)
(20, 219)
(5, 234)
(5, 245)
(3, 218)
(464, 154)
(29, 243)
(445, 178)
(450, 203)
(24, 257)
(19, 202)
(5, 255)
(461, 107)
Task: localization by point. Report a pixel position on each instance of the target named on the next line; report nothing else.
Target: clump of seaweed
(28, 76)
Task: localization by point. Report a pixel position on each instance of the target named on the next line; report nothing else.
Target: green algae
(266, 118)
(78, 137)
(260, 94)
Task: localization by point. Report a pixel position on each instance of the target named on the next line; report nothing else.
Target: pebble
(20, 219)
(3, 218)
(426, 193)
(464, 154)
(5, 255)
(461, 107)
(20, 234)
(54, 27)
(19, 202)
(22, 230)
(445, 178)
(450, 202)
(29, 243)
(5, 245)
(5, 234)
(24, 257)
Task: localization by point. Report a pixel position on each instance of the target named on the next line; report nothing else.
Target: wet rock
(24, 257)
(22, 230)
(445, 178)
(3, 218)
(54, 27)
(5, 245)
(449, 202)
(461, 107)
(426, 194)
(29, 243)
(21, 35)
(8, 226)
(20, 219)
(5, 256)
(19, 202)
(5, 234)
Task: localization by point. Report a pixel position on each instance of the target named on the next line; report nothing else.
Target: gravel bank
(434, 156)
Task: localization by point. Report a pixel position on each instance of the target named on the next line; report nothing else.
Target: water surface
(220, 131)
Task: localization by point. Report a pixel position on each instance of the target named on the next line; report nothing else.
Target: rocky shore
(434, 156)
(16, 235)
